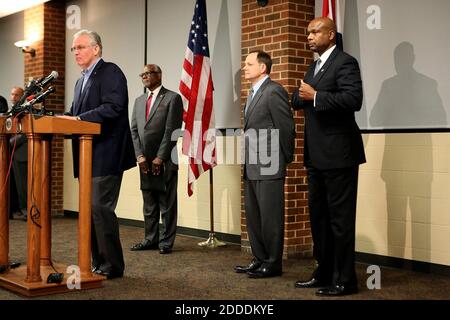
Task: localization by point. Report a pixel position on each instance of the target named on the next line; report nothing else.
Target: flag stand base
(212, 242)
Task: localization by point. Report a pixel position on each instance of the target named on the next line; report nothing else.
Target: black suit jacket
(105, 100)
(332, 137)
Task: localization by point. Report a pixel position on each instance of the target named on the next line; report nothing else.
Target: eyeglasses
(148, 73)
(78, 48)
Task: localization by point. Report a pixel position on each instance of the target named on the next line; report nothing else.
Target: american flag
(196, 88)
(334, 9)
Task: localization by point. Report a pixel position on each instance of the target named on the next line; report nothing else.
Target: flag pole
(212, 241)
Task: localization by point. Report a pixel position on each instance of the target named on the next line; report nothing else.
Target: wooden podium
(31, 279)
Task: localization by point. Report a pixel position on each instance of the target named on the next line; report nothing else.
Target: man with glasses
(101, 96)
(157, 116)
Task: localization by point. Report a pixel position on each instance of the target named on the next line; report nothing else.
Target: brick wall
(280, 29)
(46, 23)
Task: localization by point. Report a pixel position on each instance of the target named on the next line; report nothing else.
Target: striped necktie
(249, 100)
(318, 66)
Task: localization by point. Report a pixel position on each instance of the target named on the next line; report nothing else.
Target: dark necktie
(149, 105)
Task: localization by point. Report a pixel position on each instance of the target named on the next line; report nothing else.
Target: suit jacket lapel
(77, 96)
(324, 68)
(158, 100)
(255, 99)
(140, 112)
(89, 82)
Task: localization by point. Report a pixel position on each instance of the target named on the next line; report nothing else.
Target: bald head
(16, 94)
(326, 23)
(152, 76)
(321, 34)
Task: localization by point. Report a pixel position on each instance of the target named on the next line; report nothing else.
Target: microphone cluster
(39, 98)
(34, 93)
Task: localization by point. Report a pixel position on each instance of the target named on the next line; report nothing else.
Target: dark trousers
(332, 208)
(13, 197)
(106, 247)
(264, 211)
(158, 203)
(21, 177)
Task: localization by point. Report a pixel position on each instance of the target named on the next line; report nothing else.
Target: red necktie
(149, 104)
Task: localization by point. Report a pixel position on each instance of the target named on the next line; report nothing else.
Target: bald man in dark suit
(330, 95)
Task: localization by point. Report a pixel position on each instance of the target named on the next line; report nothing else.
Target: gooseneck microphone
(33, 94)
(38, 98)
(45, 81)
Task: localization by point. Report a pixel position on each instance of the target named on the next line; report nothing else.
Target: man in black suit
(20, 161)
(13, 198)
(101, 96)
(3, 105)
(269, 133)
(157, 116)
(330, 95)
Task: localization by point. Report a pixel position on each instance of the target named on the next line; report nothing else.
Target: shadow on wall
(237, 91)
(408, 96)
(227, 98)
(351, 31)
(364, 244)
(404, 98)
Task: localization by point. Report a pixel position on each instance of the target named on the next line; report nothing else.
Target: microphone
(33, 88)
(39, 98)
(45, 81)
(30, 89)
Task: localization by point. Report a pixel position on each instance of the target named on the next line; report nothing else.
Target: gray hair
(94, 36)
(158, 68)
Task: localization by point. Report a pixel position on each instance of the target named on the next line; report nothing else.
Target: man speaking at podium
(101, 96)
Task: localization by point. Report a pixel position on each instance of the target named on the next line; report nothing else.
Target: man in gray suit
(269, 133)
(157, 117)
